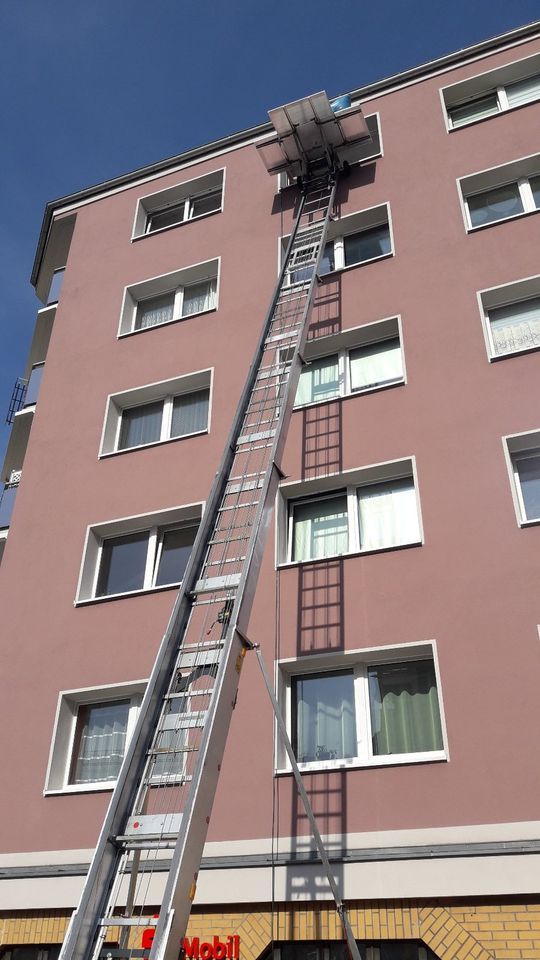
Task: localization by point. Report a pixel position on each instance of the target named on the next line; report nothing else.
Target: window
(158, 412)
(524, 456)
(365, 358)
(364, 707)
(91, 732)
(137, 554)
(376, 510)
(511, 315)
(355, 239)
(338, 950)
(502, 193)
(494, 92)
(173, 296)
(179, 204)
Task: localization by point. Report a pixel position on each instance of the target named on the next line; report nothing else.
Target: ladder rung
(228, 582)
(254, 437)
(183, 721)
(243, 487)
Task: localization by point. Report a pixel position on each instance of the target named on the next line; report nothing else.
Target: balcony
(7, 500)
(25, 392)
(20, 415)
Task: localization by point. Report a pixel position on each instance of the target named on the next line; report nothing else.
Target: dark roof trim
(362, 93)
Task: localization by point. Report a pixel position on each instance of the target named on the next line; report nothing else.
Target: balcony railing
(7, 500)
(25, 392)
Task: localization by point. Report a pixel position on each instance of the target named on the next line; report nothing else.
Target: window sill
(495, 357)
(284, 565)
(323, 766)
(173, 226)
(146, 446)
(530, 523)
(495, 223)
(168, 323)
(377, 388)
(88, 601)
(75, 788)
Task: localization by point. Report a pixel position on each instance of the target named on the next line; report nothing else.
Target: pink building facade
(397, 606)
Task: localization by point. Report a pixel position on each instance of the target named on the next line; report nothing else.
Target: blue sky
(95, 88)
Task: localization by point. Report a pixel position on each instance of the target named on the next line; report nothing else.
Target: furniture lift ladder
(161, 805)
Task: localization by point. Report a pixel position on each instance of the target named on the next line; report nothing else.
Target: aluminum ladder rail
(165, 790)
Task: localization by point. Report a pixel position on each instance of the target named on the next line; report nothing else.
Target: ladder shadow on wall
(320, 628)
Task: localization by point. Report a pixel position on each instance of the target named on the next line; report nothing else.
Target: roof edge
(364, 92)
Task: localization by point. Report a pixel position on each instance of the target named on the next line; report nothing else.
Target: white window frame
(182, 193)
(357, 222)
(505, 295)
(346, 483)
(155, 524)
(162, 390)
(518, 446)
(491, 83)
(345, 342)
(357, 661)
(65, 727)
(167, 283)
(517, 172)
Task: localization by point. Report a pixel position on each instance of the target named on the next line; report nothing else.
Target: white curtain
(141, 425)
(190, 413)
(388, 514)
(375, 364)
(199, 297)
(516, 327)
(325, 722)
(523, 91)
(101, 732)
(154, 311)
(319, 380)
(320, 529)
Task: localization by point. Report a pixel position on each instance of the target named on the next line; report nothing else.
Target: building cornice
(366, 92)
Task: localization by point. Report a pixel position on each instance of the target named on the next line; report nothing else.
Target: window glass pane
(301, 264)
(190, 413)
(495, 205)
(141, 425)
(404, 708)
(528, 469)
(315, 950)
(388, 514)
(174, 554)
(475, 110)
(523, 91)
(205, 204)
(123, 561)
(167, 217)
(199, 297)
(327, 264)
(535, 187)
(320, 529)
(56, 285)
(100, 741)
(515, 327)
(324, 723)
(376, 364)
(367, 244)
(154, 310)
(171, 764)
(319, 380)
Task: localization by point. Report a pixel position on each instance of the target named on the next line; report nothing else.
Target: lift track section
(163, 799)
